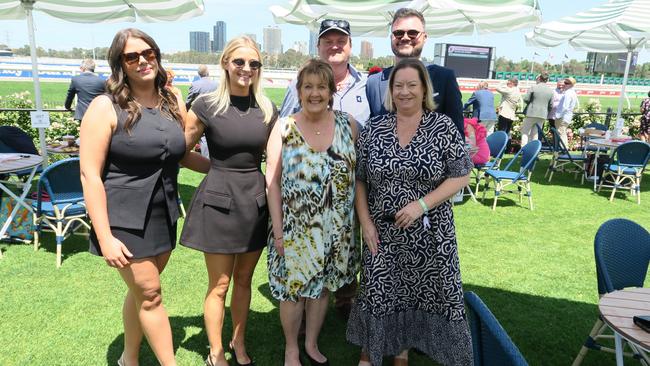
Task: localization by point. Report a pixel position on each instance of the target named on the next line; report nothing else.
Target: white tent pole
(619, 123)
(28, 6)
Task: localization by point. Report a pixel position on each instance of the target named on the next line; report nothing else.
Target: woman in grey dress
(228, 218)
(132, 142)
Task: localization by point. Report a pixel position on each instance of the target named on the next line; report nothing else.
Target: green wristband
(423, 205)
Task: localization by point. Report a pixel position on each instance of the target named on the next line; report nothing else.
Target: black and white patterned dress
(411, 293)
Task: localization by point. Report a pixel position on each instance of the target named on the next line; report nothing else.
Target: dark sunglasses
(133, 57)
(328, 23)
(411, 33)
(253, 64)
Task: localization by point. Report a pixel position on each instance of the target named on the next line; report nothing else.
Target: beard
(414, 52)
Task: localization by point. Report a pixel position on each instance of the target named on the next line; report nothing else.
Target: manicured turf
(534, 269)
(54, 93)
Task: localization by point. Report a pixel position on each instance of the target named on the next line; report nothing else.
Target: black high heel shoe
(313, 362)
(231, 349)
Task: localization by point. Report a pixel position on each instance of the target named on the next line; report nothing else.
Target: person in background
(132, 145)
(409, 163)
(510, 102)
(482, 102)
(310, 178)
(170, 85)
(407, 40)
(335, 48)
(564, 112)
(201, 86)
(557, 95)
(475, 134)
(644, 132)
(228, 216)
(539, 99)
(86, 86)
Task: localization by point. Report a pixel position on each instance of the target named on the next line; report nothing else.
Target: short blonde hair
(411, 63)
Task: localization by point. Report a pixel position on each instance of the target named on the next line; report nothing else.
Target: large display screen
(469, 61)
(610, 63)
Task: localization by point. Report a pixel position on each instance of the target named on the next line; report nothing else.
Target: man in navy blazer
(408, 37)
(86, 86)
(202, 86)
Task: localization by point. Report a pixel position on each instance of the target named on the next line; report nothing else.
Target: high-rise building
(219, 36)
(313, 43)
(300, 47)
(200, 41)
(273, 40)
(366, 50)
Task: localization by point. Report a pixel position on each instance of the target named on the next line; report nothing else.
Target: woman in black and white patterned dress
(409, 162)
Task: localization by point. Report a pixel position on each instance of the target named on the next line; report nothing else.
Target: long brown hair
(118, 83)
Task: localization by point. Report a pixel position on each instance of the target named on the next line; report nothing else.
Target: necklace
(248, 110)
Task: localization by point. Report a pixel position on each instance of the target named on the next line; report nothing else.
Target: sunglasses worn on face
(327, 23)
(133, 57)
(253, 64)
(411, 33)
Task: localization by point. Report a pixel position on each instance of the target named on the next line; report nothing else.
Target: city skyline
(219, 36)
(173, 37)
(200, 41)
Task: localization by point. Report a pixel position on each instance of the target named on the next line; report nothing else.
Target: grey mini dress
(228, 213)
(140, 178)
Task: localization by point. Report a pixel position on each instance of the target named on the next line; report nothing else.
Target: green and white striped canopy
(102, 11)
(617, 26)
(443, 17)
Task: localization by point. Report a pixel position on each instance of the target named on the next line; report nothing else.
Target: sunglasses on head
(253, 64)
(327, 23)
(411, 33)
(134, 57)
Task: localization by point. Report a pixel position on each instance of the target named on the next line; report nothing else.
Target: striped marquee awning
(443, 17)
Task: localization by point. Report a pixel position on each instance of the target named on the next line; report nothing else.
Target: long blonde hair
(221, 96)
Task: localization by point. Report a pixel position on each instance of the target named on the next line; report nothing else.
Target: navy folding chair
(520, 179)
(563, 161)
(622, 253)
(586, 138)
(547, 146)
(490, 342)
(65, 211)
(497, 141)
(626, 168)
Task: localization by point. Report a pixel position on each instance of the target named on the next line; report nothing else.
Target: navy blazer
(482, 102)
(86, 86)
(445, 90)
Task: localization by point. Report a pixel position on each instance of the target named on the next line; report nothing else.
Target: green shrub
(61, 123)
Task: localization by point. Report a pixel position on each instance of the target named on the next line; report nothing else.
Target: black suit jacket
(86, 86)
(445, 90)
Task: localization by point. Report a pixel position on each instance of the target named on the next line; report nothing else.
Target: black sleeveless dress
(140, 178)
(228, 213)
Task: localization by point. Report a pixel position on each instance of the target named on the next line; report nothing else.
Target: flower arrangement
(374, 69)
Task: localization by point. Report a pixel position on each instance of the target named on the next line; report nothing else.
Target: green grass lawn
(534, 269)
(54, 93)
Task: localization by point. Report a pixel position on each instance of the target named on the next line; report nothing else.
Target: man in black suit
(86, 86)
(201, 86)
(408, 37)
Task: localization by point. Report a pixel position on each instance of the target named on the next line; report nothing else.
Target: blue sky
(251, 16)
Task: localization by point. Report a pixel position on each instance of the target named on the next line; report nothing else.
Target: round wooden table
(618, 308)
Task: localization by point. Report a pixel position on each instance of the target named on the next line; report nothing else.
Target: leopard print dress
(317, 207)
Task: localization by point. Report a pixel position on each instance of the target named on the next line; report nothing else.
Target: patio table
(600, 143)
(617, 310)
(12, 163)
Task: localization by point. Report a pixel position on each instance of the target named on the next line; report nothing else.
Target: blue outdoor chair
(497, 141)
(622, 253)
(547, 146)
(490, 343)
(626, 168)
(521, 179)
(564, 161)
(65, 212)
